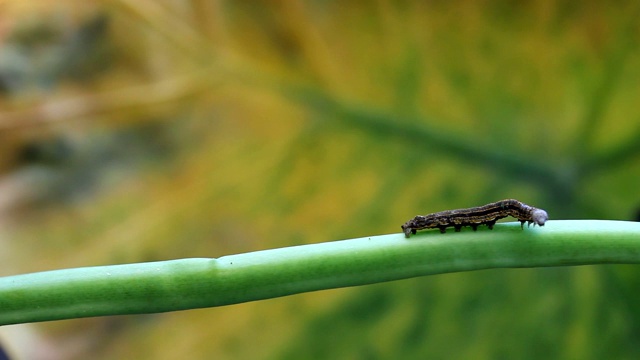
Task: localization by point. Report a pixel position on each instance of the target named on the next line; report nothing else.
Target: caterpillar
(475, 216)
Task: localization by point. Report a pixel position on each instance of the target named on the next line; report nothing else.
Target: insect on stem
(475, 216)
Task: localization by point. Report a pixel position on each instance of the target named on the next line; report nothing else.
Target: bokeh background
(142, 130)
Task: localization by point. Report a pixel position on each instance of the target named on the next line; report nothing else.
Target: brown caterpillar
(480, 215)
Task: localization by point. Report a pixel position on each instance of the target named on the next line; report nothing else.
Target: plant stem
(201, 282)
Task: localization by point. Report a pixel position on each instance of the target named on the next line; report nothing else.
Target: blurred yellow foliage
(146, 130)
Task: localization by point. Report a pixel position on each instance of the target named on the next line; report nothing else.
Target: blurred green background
(140, 130)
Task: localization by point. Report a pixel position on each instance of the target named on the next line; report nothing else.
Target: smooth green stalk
(196, 283)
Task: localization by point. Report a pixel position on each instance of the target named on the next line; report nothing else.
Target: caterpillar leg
(490, 224)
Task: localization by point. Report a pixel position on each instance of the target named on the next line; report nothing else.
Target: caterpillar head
(539, 217)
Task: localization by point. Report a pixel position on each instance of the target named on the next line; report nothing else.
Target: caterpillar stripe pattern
(475, 216)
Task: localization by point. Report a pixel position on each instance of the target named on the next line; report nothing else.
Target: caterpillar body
(475, 216)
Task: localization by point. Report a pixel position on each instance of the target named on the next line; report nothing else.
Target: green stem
(196, 283)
